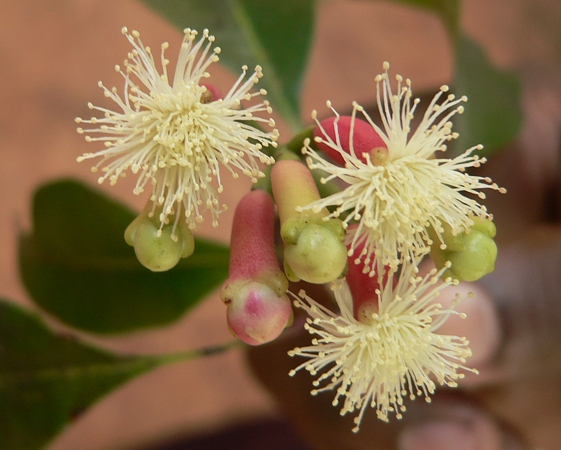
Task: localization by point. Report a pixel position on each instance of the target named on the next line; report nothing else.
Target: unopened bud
(339, 130)
(258, 308)
(294, 187)
(313, 246)
(365, 285)
(159, 248)
(256, 314)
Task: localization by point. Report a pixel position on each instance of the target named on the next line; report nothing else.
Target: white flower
(175, 134)
(397, 194)
(389, 354)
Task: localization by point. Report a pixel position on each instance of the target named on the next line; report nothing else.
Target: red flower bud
(258, 308)
(252, 247)
(338, 130)
(363, 285)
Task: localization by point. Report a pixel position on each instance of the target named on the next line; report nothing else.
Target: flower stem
(171, 358)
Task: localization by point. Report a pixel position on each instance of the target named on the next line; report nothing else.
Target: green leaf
(77, 266)
(46, 380)
(493, 114)
(273, 34)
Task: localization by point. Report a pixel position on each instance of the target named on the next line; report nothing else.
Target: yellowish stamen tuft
(173, 135)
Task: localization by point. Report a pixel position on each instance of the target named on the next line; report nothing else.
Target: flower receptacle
(159, 247)
(315, 252)
(472, 253)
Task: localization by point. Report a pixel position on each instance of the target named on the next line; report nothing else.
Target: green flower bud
(313, 244)
(485, 226)
(472, 253)
(314, 251)
(157, 247)
(476, 260)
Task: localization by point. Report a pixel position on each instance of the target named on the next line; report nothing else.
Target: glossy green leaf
(493, 113)
(273, 34)
(46, 380)
(77, 266)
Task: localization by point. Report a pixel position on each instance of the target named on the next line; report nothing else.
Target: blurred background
(52, 54)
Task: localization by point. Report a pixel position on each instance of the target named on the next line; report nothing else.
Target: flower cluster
(399, 190)
(401, 200)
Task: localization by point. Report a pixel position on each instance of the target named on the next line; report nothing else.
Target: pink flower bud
(258, 308)
(338, 129)
(256, 314)
(252, 247)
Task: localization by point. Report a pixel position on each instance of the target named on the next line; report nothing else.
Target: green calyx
(158, 248)
(472, 253)
(313, 249)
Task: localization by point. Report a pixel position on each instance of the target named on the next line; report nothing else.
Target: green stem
(171, 358)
